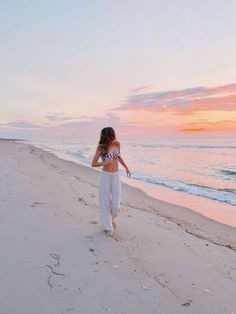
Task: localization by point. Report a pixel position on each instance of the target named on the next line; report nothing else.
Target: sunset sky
(159, 70)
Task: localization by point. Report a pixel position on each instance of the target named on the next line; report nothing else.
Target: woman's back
(112, 152)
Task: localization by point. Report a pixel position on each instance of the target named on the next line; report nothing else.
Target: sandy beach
(55, 259)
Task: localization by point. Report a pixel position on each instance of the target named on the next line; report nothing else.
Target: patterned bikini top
(112, 154)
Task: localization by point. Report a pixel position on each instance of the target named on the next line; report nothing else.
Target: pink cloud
(59, 116)
(184, 101)
(141, 88)
(175, 116)
(19, 124)
(84, 127)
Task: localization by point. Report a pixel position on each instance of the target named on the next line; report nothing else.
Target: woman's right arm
(95, 162)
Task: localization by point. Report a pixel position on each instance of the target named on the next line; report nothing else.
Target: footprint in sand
(80, 199)
(37, 203)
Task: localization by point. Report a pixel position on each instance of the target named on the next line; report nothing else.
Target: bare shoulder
(117, 143)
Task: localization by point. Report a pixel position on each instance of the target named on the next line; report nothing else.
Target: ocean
(206, 171)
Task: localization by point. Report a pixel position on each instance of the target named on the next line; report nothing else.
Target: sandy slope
(56, 259)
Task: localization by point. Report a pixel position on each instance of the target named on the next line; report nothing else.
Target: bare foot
(110, 233)
(113, 224)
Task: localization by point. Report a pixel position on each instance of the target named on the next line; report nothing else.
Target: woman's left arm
(121, 160)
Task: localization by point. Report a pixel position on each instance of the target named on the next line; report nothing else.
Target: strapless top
(112, 154)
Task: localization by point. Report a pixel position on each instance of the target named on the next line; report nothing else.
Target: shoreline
(201, 227)
(180, 215)
(169, 258)
(217, 211)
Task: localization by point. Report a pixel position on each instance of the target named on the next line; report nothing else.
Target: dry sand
(55, 258)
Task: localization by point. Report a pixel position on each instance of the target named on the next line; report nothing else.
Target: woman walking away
(108, 150)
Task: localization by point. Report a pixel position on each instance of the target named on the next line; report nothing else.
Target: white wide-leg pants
(109, 197)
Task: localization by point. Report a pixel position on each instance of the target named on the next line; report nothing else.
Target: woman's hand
(128, 172)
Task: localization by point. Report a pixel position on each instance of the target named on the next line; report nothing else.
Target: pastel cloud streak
(62, 125)
(199, 98)
(59, 116)
(145, 114)
(194, 109)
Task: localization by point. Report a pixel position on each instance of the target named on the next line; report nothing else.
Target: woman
(108, 150)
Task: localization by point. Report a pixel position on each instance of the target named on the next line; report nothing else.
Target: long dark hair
(107, 136)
